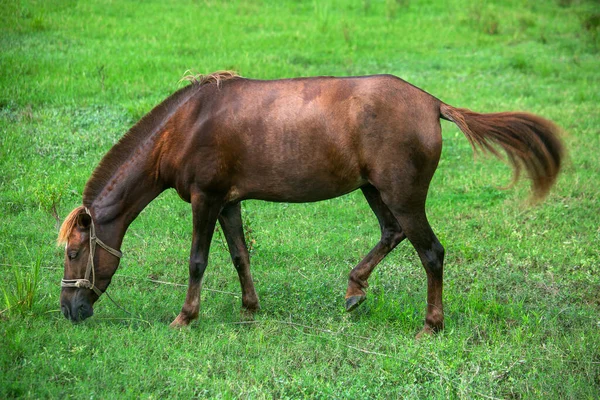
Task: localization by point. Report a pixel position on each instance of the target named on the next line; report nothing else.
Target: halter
(85, 282)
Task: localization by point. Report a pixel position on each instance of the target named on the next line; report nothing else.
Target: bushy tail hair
(529, 141)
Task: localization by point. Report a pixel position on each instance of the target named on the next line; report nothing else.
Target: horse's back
(303, 139)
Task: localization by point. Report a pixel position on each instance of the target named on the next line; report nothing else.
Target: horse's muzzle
(77, 310)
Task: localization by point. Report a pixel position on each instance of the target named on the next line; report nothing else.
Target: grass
(20, 294)
(522, 287)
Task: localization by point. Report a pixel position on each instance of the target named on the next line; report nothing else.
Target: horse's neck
(125, 195)
(127, 178)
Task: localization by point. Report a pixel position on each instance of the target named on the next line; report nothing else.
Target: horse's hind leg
(231, 222)
(412, 218)
(205, 211)
(391, 235)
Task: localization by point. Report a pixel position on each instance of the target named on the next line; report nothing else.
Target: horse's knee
(197, 268)
(237, 262)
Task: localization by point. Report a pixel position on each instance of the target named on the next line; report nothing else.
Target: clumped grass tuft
(20, 293)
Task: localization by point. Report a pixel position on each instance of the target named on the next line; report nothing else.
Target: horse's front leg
(205, 210)
(231, 222)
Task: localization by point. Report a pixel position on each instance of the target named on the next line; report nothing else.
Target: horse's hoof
(354, 301)
(247, 314)
(426, 332)
(251, 307)
(429, 331)
(179, 322)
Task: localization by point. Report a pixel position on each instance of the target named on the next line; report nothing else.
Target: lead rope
(118, 306)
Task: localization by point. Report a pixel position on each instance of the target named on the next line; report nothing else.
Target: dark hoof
(430, 331)
(426, 332)
(354, 301)
(248, 314)
(254, 308)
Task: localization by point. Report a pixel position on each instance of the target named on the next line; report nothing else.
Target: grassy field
(522, 283)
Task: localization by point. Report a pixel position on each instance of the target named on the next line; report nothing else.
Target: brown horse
(223, 139)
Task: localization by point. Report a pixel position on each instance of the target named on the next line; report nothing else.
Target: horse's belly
(294, 188)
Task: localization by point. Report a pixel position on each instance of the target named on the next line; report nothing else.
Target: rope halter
(85, 282)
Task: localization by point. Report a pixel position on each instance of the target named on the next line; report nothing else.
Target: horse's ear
(84, 220)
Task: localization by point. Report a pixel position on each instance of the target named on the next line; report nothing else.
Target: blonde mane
(68, 225)
(216, 77)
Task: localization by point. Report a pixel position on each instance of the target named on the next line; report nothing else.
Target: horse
(222, 139)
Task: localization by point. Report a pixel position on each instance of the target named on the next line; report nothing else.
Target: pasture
(522, 281)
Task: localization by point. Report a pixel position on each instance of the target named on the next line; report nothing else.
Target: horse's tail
(529, 141)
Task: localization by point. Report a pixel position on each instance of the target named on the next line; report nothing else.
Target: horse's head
(87, 272)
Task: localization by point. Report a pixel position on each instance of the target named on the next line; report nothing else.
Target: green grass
(522, 284)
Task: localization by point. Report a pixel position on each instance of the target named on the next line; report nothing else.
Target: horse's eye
(72, 255)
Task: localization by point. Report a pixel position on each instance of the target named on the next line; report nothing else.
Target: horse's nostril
(66, 311)
(81, 313)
